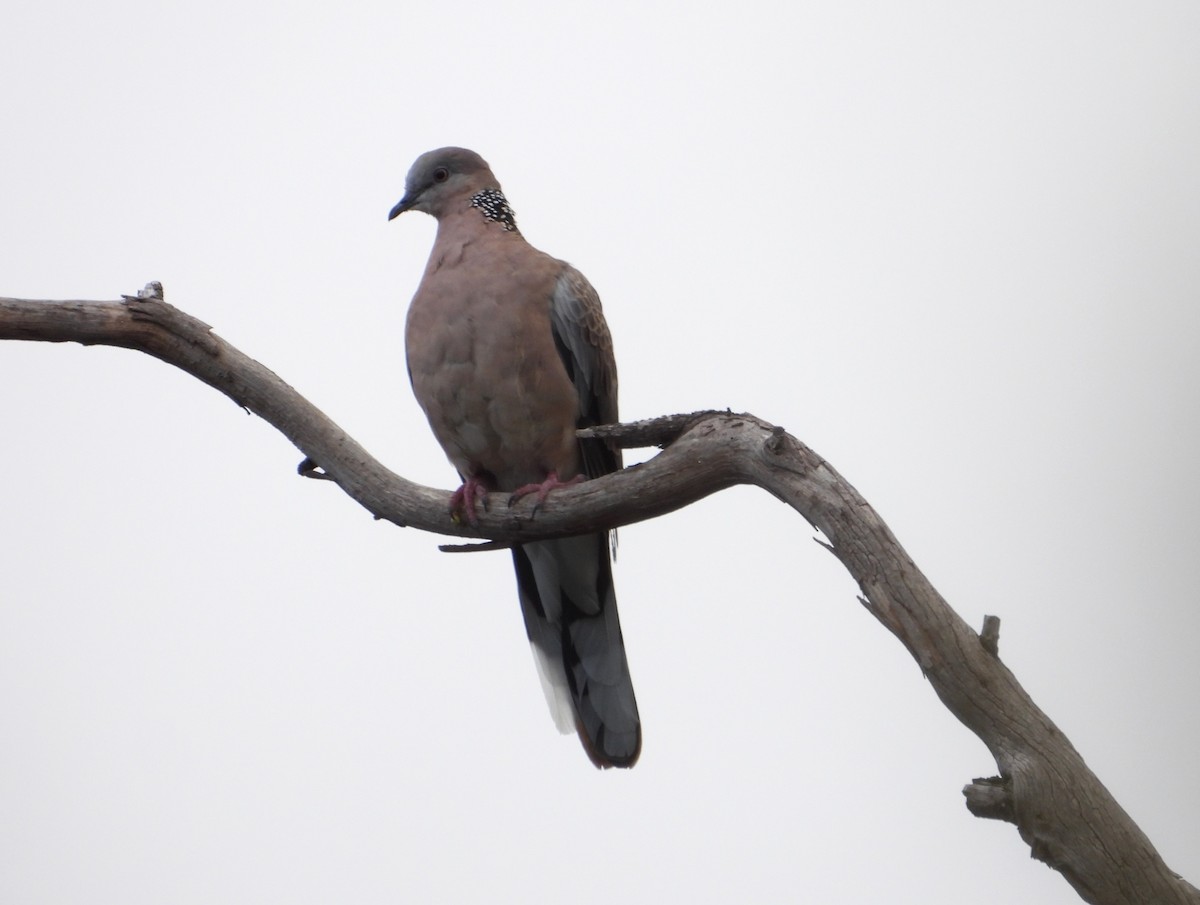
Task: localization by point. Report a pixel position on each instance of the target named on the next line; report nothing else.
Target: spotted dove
(508, 354)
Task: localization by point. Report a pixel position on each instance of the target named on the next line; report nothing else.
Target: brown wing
(585, 346)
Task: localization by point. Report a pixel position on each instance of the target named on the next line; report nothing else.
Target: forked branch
(1059, 807)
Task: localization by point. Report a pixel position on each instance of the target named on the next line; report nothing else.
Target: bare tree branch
(1059, 807)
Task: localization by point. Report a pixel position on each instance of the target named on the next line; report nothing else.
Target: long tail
(570, 610)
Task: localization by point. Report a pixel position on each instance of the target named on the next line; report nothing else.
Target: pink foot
(466, 500)
(543, 489)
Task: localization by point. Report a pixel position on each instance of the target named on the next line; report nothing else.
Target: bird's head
(440, 178)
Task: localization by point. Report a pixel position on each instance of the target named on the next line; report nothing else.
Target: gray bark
(1060, 808)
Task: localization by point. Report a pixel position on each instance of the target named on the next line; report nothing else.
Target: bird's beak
(402, 205)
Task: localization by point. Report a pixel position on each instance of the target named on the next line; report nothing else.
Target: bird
(508, 354)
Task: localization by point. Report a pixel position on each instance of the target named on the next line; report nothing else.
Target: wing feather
(586, 348)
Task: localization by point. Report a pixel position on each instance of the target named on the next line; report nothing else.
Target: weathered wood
(1060, 808)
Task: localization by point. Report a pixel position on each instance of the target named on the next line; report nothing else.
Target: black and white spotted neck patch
(494, 206)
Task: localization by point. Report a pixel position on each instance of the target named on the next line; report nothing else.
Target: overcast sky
(952, 246)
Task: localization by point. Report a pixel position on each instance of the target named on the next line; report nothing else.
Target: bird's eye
(441, 174)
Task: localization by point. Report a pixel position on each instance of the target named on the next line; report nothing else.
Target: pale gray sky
(951, 246)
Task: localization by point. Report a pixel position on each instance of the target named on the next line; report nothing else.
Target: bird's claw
(466, 501)
(542, 490)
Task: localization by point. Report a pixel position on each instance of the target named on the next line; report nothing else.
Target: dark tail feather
(570, 611)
